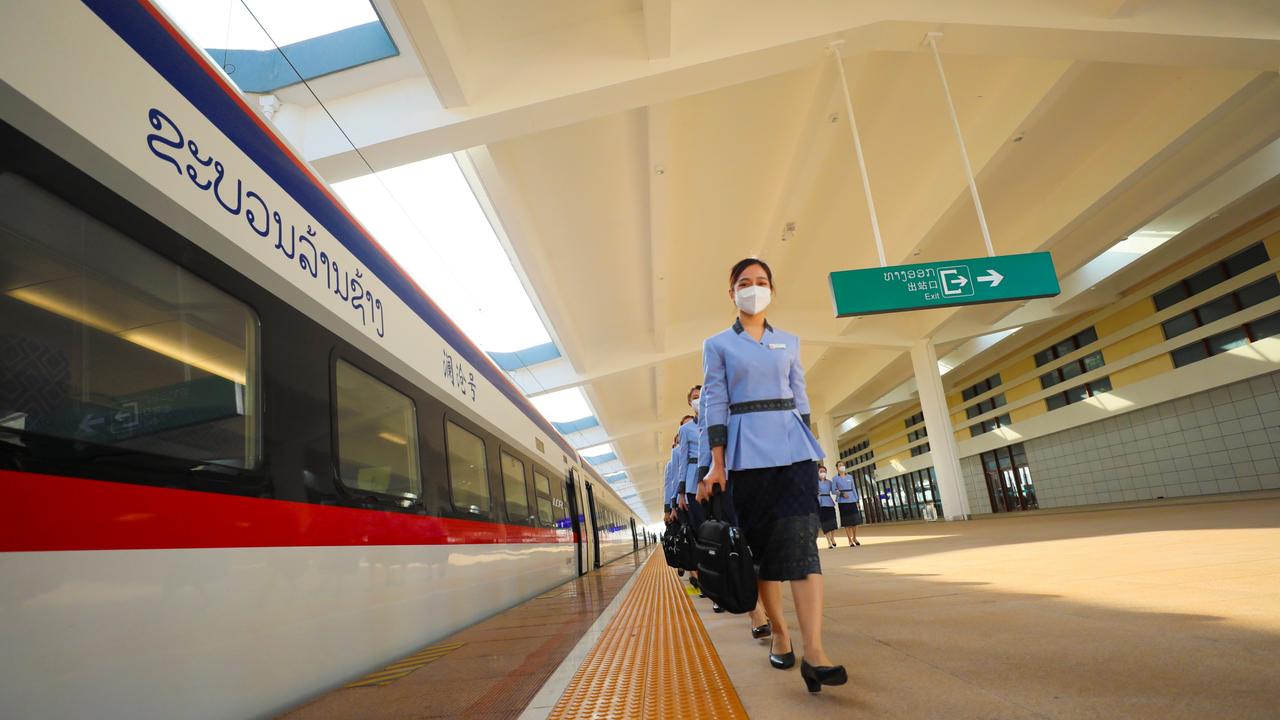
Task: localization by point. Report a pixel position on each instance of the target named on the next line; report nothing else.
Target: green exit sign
(943, 284)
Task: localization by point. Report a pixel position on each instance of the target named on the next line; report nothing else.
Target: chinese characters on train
(920, 281)
(208, 174)
(457, 375)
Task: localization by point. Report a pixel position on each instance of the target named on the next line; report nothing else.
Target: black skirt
(777, 511)
(827, 518)
(850, 516)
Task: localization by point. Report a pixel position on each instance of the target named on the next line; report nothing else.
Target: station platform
(1153, 611)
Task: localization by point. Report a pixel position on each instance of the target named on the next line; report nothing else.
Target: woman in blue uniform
(764, 454)
(847, 498)
(668, 482)
(686, 461)
(826, 507)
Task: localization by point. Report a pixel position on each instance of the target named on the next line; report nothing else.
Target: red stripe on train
(50, 512)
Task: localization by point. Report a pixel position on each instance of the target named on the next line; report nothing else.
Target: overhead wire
(396, 200)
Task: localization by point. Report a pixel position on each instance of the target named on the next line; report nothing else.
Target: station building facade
(1172, 390)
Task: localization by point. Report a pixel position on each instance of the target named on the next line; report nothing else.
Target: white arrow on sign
(992, 277)
(961, 280)
(89, 424)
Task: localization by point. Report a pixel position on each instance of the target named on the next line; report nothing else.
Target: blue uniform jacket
(824, 494)
(846, 492)
(704, 448)
(667, 493)
(737, 369)
(673, 477)
(687, 457)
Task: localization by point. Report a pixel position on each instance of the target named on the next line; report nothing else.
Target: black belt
(762, 406)
(693, 460)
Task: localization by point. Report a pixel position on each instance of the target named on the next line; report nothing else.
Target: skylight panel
(229, 24)
(563, 405)
(597, 450)
(425, 215)
(265, 45)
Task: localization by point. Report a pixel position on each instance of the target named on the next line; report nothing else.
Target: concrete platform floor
(1158, 612)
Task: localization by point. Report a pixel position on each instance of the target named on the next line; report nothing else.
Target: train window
(515, 489)
(377, 436)
(468, 470)
(542, 488)
(106, 344)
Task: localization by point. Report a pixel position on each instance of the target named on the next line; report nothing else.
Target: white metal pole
(955, 123)
(857, 148)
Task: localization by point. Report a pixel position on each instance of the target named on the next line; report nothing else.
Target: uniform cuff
(717, 435)
(702, 471)
(805, 417)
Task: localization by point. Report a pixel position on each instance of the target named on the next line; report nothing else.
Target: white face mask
(752, 300)
(839, 471)
(694, 404)
(822, 476)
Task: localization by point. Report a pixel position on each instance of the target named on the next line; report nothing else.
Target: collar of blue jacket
(737, 326)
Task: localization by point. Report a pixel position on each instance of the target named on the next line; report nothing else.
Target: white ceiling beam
(561, 79)
(658, 120)
(434, 34)
(658, 128)
(657, 28)
(549, 384)
(1114, 8)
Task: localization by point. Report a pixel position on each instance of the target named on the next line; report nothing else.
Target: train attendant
(760, 626)
(847, 498)
(669, 481)
(765, 456)
(666, 495)
(687, 461)
(826, 507)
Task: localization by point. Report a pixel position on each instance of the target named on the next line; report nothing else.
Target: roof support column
(942, 437)
(825, 428)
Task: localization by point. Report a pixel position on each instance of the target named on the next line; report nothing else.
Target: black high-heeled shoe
(782, 661)
(760, 632)
(817, 676)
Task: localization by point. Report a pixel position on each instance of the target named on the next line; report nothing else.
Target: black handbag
(669, 545)
(726, 570)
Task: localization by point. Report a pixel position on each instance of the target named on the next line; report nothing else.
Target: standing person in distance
(847, 498)
(826, 507)
(765, 456)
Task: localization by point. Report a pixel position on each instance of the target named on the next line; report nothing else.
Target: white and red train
(242, 456)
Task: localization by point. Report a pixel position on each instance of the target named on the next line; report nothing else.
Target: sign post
(943, 284)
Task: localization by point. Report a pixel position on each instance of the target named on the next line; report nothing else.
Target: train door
(575, 517)
(595, 524)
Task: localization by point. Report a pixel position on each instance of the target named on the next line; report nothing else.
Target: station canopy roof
(574, 178)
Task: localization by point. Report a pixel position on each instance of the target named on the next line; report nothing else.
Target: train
(243, 457)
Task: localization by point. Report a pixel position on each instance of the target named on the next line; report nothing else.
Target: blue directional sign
(943, 284)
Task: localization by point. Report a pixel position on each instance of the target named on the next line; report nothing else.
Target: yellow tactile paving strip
(654, 660)
(403, 667)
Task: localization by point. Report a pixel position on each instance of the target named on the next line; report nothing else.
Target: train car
(243, 458)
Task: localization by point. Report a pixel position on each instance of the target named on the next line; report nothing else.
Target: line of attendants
(749, 437)
(838, 505)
